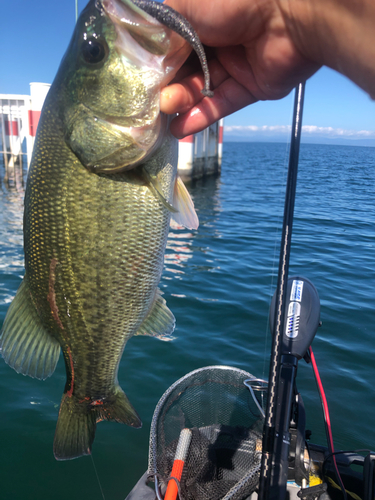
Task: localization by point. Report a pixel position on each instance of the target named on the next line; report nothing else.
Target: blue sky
(34, 36)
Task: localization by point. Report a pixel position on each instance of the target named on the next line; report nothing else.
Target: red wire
(326, 418)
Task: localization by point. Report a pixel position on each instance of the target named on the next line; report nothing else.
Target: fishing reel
(301, 321)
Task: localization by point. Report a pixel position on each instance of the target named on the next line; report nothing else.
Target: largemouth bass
(101, 189)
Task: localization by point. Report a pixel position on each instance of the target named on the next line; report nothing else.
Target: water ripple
(218, 281)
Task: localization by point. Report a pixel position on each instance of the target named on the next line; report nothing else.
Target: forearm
(337, 33)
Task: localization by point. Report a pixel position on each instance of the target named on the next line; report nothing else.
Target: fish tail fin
(75, 430)
(118, 408)
(76, 425)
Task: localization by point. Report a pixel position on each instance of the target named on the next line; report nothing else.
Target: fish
(101, 190)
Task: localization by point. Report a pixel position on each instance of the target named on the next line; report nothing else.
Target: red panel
(189, 138)
(221, 134)
(11, 128)
(33, 122)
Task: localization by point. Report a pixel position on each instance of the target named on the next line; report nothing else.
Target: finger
(182, 96)
(229, 97)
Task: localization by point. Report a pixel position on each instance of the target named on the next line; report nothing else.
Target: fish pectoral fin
(156, 189)
(26, 345)
(186, 214)
(160, 321)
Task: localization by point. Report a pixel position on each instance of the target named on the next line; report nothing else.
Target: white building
(199, 154)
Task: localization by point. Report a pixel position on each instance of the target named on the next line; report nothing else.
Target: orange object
(178, 464)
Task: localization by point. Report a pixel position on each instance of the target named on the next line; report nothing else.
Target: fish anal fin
(117, 408)
(186, 214)
(25, 344)
(160, 321)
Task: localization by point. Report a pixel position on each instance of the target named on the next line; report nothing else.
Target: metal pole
(269, 435)
(5, 149)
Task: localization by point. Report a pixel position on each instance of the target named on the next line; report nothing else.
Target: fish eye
(94, 51)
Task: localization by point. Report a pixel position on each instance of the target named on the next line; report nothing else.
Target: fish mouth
(144, 42)
(143, 57)
(157, 53)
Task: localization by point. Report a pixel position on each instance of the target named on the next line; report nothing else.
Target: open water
(218, 281)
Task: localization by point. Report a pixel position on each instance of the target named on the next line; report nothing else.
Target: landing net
(226, 422)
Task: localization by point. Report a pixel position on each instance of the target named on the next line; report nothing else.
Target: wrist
(337, 33)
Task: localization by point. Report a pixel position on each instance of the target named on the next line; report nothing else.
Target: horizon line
(309, 130)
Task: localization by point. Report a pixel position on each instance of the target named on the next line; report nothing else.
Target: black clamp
(314, 492)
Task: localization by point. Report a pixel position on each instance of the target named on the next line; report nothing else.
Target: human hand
(253, 57)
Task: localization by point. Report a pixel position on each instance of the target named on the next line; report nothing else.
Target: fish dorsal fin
(26, 346)
(160, 321)
(186, 214)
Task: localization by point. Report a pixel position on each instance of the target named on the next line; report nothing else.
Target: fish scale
(105, 236)
(100, 269)
(100, 192)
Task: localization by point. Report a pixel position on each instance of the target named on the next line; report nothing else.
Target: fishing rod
(276, 438)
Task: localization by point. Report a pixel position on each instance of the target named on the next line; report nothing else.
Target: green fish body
(101, 188)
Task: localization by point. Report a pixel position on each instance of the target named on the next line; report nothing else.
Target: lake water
(218, 281)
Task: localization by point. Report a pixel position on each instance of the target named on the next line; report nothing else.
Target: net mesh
(223, 458)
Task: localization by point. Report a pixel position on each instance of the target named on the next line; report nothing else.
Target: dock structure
(19, 117)
(15, 139)
(199, 154)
